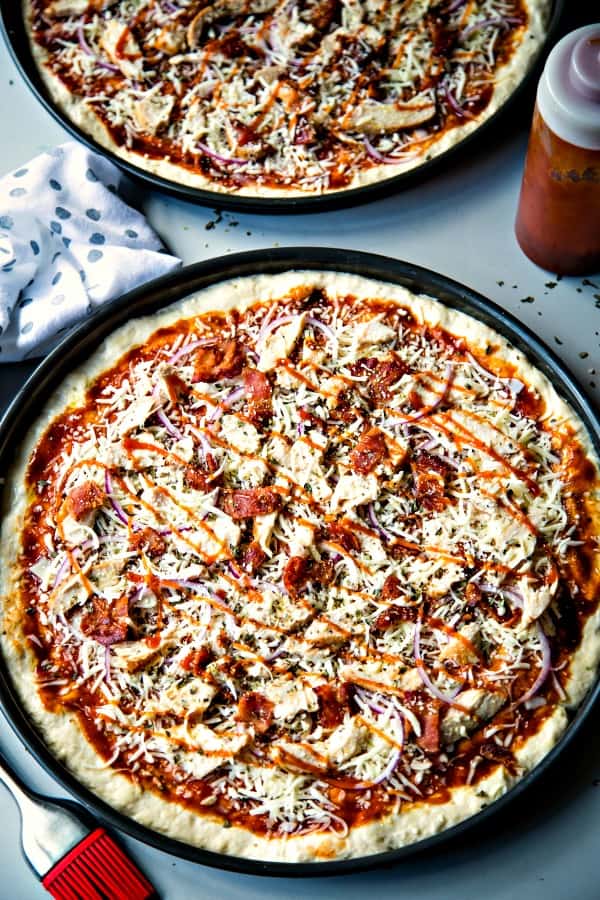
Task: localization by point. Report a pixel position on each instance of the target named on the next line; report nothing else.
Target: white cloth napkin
(68, 243)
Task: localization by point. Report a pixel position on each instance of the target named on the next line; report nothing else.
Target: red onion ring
(268, 327)
(424, 676)
(544, 668)
(62, 572)
(226, 160)
(327, 331)
(500, 21)
(85, 47)
(164, 420)
(382, 158)
(193, 345)
(121, 514)
(513, 593)
(383, 534)
(231, 398)
(454, 104)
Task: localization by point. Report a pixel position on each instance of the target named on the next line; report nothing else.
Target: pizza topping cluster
(298, 566)
(279, 93)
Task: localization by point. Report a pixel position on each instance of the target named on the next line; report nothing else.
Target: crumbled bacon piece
(490, 750)
(387, 373)
(247, 503)
(415, 401)
(296, 573)
(342, 535)
(258, 395)
(253, 557)
(528, 404)
(217, 362)
(196, 479)
(84, 499)
(392, 588)
(429, 485)
(370, 450)
(322, 572)
(106, 623)
(383, 375)
(148, 540)
(197, 660)
(334, 704)
(472, 594)
(395, 614)
(430, 735)
(299, 570)
(323, 13)
(256, 710)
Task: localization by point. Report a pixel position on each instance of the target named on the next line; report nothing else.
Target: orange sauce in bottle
(558, 219)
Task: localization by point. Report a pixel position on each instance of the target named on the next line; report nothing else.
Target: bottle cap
(568, 95)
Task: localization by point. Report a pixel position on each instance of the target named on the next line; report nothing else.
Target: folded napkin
(68, 243)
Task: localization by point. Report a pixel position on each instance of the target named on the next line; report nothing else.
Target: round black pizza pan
(13, 27)
(81, 342)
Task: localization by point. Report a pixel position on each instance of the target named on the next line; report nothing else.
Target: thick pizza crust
(62, 733)
(508, 77)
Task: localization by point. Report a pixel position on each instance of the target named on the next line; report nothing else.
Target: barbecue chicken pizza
(303, 567)
(272, 98)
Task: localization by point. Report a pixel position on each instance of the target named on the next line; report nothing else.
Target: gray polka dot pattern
(68, 244)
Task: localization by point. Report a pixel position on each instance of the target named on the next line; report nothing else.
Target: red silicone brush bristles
(97, 869)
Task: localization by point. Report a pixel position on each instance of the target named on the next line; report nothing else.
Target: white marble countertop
(545, 846)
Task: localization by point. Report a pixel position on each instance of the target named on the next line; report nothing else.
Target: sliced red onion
(448, 378)
(62, 572)
(189, 585)
(268, 327)
(121, 514)
(544, 668)
(229, 400)
(514, 385)
(82, 41)
(85, 47)
(394, 757)
(170, 7)
(168, 425)
(232, 570)
(189, 348)
(424, 676)
(226, 160)
(370, 702)
(382, 158)
(454, 104)
(326, 330)
(492, 21)
(512, 593)
(270, 586)
(383, 534)
(276, 653)
(456, 4)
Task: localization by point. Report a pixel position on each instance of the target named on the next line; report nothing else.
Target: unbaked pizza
(303, 567)
(282, 97)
